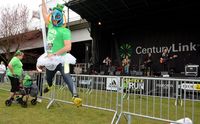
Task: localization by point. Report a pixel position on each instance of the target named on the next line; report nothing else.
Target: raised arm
(44, 12)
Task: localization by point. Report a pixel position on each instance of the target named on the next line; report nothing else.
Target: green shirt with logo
(56, 37)
(17, 67)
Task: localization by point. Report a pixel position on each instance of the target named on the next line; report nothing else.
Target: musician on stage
(148, 65)
(165, 58)
(107, 63)
(126, 64)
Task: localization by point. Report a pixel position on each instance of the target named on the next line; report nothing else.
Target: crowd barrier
(162, 99)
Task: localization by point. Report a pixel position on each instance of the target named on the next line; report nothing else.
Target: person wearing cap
(14, 72)
(58, 44)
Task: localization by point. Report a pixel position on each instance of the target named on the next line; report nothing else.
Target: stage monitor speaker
(178, 74)
(102, 73)
(118, 73)
(139, 73)
(164, 74)
(191, 70)
(111, 73)
(133, 73)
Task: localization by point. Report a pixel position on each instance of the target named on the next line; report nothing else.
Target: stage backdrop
(137, 42)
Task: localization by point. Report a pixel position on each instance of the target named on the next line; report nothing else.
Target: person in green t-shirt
(14, 72)
(27, 82)
(58, 44)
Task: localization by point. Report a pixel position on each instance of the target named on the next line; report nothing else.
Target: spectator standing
(107, 63)
(2, 71)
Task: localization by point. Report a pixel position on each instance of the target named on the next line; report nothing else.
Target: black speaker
(179, 74)
(139, 73)
(111, 73)
(118, 73)
(102, 72)
(132, 73)
(164, 74)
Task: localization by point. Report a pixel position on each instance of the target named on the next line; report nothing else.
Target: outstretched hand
(38, 69)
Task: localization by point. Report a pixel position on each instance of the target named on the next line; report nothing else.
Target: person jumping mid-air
(58, 44)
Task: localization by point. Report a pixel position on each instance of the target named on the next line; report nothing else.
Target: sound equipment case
(191, 70)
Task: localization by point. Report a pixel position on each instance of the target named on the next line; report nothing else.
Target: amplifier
(133, 73)
(138, 73)
(118, 73)
(164, 74)
(191, 70)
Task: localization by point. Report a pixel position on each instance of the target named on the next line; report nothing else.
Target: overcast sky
(33, 5)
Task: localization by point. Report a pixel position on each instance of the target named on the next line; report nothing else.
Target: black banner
(183, 42)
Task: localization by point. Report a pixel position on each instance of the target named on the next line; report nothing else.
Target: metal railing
(160, 99)
(93, 89)
(163, 99)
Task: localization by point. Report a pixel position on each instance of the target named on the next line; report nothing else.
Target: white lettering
(136, 86)
(172, 48)
(144, 51)
(169, 49)
(192, 47)
(179, 47)
(185, 48)
(138, 50)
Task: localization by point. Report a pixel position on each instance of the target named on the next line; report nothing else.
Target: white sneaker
(39, 100)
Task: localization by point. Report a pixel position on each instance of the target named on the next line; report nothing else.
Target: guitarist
(164, 60)
(148, 65)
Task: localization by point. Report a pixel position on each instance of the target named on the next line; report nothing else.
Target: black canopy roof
(122, 12)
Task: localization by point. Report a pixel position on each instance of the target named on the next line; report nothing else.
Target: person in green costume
(14, 73)
(58, 44)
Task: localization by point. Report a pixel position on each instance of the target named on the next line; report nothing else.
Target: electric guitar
(147, 62)
(162, 60)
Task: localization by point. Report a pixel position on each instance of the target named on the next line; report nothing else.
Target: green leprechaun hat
(59, 7)
(18, 52)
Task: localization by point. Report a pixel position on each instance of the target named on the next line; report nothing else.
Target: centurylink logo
(173, 48)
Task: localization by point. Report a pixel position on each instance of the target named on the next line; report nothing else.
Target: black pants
(14, 84)
(106, 69)
(39, 82)
(166, 67)
(66, 77)
(147, 70)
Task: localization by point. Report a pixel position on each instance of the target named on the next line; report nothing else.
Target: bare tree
(13, 23)
(36, 14)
